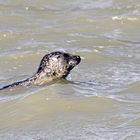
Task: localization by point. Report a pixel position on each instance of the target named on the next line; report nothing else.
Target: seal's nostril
(78, 58)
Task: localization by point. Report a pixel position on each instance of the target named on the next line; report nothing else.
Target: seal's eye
(66, 55)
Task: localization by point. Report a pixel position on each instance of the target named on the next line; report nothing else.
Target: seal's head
(58, 64)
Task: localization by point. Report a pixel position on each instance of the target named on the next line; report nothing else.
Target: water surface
(103, 102)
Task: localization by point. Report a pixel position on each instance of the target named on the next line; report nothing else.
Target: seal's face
(58, 64)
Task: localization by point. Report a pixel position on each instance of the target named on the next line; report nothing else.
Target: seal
(53, 66)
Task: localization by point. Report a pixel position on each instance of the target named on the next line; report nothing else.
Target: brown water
(104, 101)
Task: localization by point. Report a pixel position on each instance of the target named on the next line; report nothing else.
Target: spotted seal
(53, 66)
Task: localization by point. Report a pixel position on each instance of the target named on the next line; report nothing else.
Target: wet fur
(53, 66)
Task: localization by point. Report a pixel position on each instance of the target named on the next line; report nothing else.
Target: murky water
(103, 103)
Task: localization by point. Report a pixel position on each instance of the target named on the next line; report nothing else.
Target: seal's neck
(41, 78)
